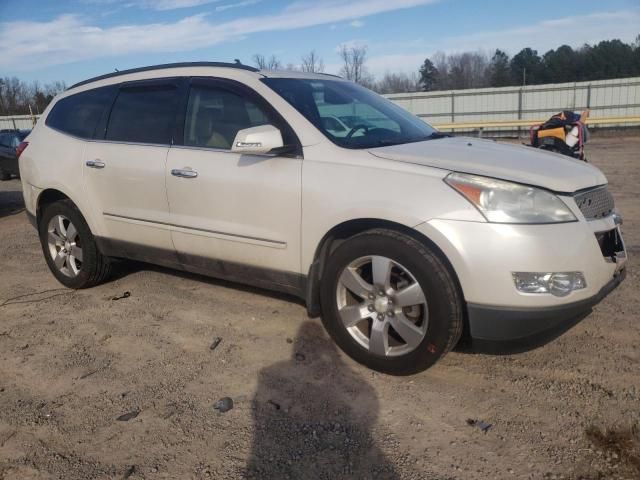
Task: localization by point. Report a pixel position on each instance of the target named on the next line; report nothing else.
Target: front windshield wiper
(387, 143)
(432, 136)
(438, 135)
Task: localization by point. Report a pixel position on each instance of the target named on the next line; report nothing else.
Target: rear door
(125, 170)
(239, 208)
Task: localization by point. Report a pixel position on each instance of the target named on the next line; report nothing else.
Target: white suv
(402, 238)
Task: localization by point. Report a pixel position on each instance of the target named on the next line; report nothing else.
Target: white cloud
(575, 31)
(70, 38)
(355, 43)
(542, 36)
(173, 4)
(153, 4)
(244, 3)
(357, 24)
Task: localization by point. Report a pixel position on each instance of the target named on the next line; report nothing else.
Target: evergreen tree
(561, 65)
(428, 75)
(610, 59)
(527, 68)
(499, 71)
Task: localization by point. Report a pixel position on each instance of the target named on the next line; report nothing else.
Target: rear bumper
(510, 329)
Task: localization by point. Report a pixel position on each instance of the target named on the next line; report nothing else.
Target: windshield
(350, 115)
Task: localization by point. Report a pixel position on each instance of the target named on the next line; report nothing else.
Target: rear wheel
(4, 175)
(69, 247)
(390, 302)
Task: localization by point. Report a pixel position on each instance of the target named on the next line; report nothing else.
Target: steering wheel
(360, 126)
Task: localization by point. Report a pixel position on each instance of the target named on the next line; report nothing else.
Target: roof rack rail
(163, 66)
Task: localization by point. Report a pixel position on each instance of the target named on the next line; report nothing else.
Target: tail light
(20, 148)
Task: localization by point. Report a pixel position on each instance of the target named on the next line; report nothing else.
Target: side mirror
(257, 140)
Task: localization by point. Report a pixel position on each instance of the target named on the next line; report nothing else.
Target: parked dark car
(10, 141)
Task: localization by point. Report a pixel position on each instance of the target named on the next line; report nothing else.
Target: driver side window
(215, 115)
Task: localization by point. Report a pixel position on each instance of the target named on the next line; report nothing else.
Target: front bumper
(509, 330)
(484, 255)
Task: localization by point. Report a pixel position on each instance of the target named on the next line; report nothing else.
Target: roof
(297, 74)
(239, 66)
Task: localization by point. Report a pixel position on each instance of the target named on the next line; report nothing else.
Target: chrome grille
(596, 203)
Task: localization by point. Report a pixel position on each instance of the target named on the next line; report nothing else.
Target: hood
(507, 162)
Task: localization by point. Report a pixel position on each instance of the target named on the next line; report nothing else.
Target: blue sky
(71, 40)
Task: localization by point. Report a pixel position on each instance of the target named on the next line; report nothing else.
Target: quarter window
(143, 114)
(79, 114)
(215, 115)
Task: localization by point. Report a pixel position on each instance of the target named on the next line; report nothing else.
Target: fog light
(559, 284)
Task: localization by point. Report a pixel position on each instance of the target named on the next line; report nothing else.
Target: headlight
(506, 202)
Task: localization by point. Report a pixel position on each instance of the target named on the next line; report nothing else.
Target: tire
(4, 175)
(420, 299)
(70, 249)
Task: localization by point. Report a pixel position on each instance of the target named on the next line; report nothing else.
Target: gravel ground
(72, 363)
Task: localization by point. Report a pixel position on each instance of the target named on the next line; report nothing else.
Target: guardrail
(516, 124)
(605, 98)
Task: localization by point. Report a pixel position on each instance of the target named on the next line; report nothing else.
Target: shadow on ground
(314, 417)
(11, 203)
(125, 267)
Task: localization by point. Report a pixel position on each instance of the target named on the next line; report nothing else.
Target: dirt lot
(73, 362)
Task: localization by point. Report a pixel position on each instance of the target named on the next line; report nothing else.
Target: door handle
(184, 173)
(95, 164)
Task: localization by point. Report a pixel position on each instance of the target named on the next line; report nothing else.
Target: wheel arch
(54, 194)
(345, 230)
(47, 197)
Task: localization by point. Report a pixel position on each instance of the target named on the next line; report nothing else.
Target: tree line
(21, 98)
(605, 60)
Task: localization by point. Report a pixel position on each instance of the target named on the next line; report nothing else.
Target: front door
(243, 210)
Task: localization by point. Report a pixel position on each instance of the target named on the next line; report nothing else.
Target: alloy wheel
(382, 306)
(65, 246)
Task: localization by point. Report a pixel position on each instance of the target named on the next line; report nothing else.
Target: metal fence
(19, 122)
(605, 98)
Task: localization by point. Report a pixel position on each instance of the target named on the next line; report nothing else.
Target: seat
(553, 132)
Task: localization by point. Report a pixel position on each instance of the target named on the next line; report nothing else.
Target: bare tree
(398, 83)
(460, 70)
(441, 81)
(264, 63)
(17, 96)
(312, 63)
(353, 68)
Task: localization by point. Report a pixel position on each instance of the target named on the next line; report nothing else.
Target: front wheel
(69, 247)
(390, 302)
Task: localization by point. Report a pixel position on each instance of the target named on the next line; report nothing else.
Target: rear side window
(80, 114)
(143, 114)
